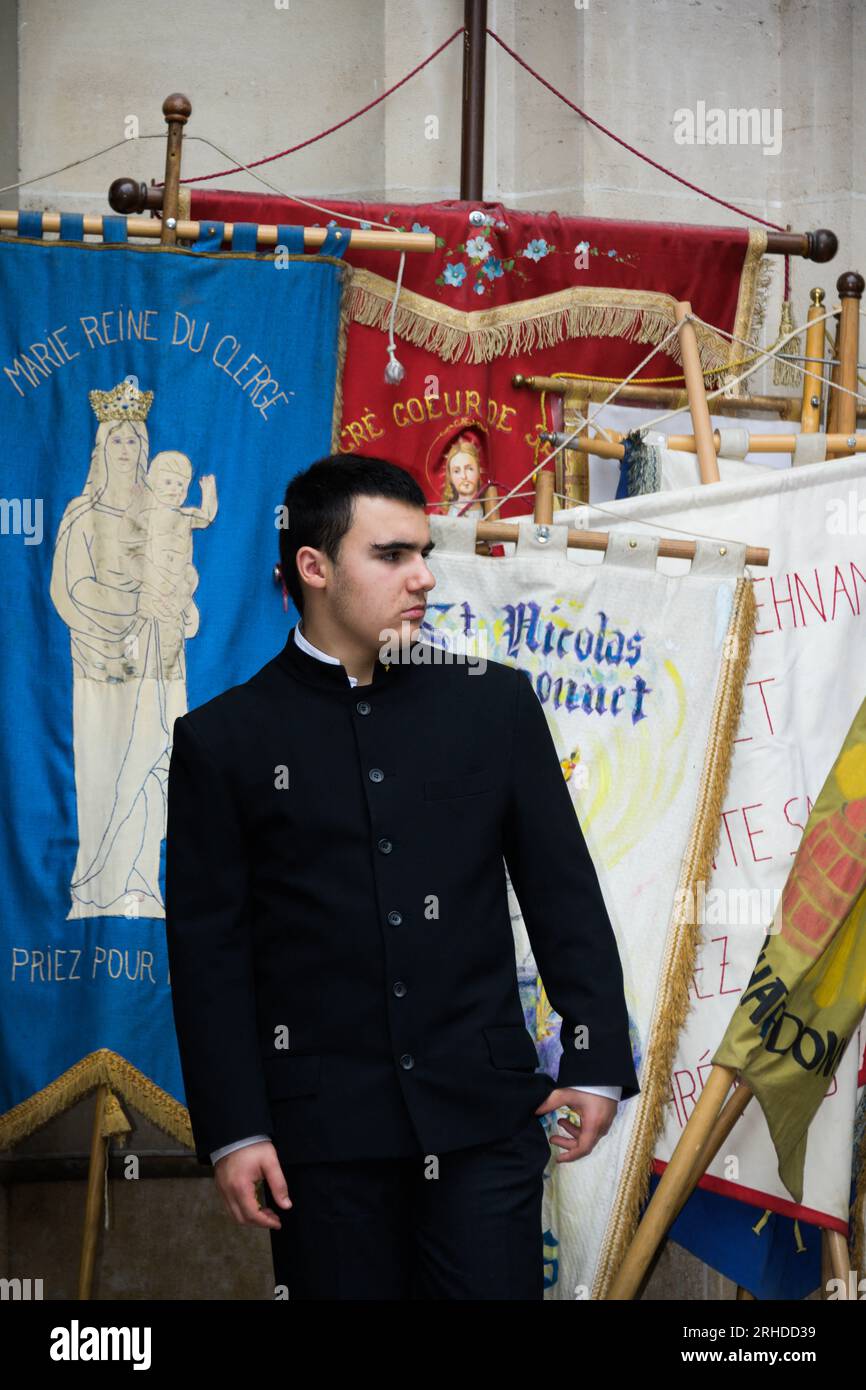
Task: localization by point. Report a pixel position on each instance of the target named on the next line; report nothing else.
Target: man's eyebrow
(403, 545)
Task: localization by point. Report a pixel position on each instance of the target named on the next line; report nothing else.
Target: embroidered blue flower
(454, 274)
(366, 225)
(416, 227)
(582, 246)
(536, 250)
(478, 287)
(493, 268)
(611, 253)
(478, 248)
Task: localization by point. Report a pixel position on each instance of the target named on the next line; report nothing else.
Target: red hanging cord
(221, 173)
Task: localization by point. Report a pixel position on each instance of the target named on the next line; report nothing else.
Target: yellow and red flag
(808, 989)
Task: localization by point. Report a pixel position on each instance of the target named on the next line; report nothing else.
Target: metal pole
(474, 78)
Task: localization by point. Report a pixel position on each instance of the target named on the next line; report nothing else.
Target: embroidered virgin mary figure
(122, 581)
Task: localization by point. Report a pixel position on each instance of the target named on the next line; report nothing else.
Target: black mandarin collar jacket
(342, 963)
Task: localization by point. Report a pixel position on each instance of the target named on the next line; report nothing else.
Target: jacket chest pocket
(468, 784)
(511, 1046)
(291, 1074)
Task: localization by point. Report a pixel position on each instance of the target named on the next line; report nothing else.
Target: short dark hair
(319, 506)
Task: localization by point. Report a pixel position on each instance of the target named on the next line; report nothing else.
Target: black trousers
(465, 1225)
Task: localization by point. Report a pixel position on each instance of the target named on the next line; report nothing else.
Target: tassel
(759, 1225)
(783, 373)
(114, 1120)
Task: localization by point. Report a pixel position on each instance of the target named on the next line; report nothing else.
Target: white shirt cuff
(612, 1092)
(238, 1144)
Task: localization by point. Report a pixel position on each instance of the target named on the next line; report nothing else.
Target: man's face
(381, 579)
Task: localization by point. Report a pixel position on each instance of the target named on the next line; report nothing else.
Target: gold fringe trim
(342, 343)
(96, 1069)
(756, 279)
(672, 1003)
(642, 316)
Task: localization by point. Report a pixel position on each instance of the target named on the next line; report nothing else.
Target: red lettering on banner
(818, 598)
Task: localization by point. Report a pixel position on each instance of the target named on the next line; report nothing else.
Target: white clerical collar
(307, 646)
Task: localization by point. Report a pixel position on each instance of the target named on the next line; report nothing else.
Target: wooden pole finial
(177, 110)
(843, 412)
(851, 285)
(129, 196)
(823, 245)
(177, 107)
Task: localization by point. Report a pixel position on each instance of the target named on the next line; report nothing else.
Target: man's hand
(236, 1175)
(597, 1114)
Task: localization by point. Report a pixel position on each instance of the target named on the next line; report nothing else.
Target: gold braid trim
(672, 998)
(643, 316)
(98, 1068)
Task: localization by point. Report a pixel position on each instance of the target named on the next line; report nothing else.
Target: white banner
(805, 682)
(639, 675)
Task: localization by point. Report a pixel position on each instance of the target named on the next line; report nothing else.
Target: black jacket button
(385, 846)
(407, 1061)
(395, 918)
(376, 774)
(363, 707)
(399, 988)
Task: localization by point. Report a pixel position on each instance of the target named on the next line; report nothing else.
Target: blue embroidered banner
(155, 402)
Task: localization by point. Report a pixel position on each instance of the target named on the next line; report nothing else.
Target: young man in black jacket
(342, 964)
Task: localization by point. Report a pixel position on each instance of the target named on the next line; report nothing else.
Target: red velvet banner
(514, 292)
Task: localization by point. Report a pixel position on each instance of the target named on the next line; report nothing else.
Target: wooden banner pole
(673, 1188)
(850, 286)
(495, 531)
(95, 1187)
(705, 1137)
(810, 411)
(698, 408)
(785, 407)
(177, 110)
(758, 443)
(543, 513)
(266, 234)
